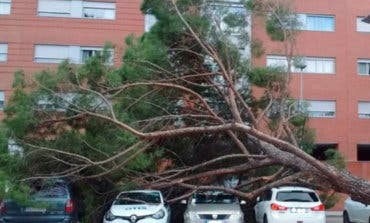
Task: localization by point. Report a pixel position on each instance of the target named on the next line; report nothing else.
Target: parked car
(51, 201)
(289, 205)
(355, 211)
(213, 207)
(143, 206)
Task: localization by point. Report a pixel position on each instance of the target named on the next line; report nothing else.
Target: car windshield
(206, 198)
(138, 198)
(297, 196)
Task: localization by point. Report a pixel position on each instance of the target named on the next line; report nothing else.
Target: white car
(213, 207)
(355, 211)
(142, 206)
(289, 205)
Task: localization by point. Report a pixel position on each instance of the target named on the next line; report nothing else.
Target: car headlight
(238, 215)
(109, 216)
(160, 214)
(189, 214)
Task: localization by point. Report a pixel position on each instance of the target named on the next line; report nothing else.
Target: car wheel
(265, 219)
(346, 217)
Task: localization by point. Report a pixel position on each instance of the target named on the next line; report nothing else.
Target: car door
(356, 211)
(364, 213)
(258, 208)
(262, 205)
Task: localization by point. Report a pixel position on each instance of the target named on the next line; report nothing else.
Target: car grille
(214, 216)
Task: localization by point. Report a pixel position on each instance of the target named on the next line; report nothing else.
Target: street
(334, 219)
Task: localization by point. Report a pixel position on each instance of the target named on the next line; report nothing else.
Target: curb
(334, 213)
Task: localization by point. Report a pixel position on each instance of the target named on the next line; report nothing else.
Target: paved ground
(332, 219)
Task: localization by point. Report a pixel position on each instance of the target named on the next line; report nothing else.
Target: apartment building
(335, 81)
(37, 34)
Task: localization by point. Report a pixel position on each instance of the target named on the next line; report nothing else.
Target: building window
(363, 152)
(87, 52)
(363, 67)
(77, 9)
(51, 53)
(318, 65)
(75, 54)
(325, 23)
(5, 6)
(362, 26)
(2, 100)
(99, 10)
(321, 109)
(55, 8)
(277, 61)
(320, 150)
(150, 20)
(3, 52)
(364, 109)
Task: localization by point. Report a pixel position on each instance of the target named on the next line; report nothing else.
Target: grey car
(213, 207)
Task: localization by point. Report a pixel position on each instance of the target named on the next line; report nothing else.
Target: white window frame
(3, 52)
(363, 109)
(303, 18)
(5, 7)
(2, 100)
(94, 51)
(327, 110)
(99, 6)
(367, 64)
(362, 26)
(281, 61)
(59, 53)
(76, 9)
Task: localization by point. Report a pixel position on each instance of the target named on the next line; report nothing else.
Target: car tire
(346, 217)
(265, 219)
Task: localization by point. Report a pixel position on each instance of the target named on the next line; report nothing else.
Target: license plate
(42, 210)
(214, 221)
(298, 210)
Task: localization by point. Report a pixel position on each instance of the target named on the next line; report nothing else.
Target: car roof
(140, 191)
(288, 188)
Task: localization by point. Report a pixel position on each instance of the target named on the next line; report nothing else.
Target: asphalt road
(334, 219)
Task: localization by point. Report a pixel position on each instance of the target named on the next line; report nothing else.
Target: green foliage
(335, 159)
(329, 199)
(263, 76)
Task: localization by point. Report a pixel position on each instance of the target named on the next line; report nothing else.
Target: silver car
(213, 207)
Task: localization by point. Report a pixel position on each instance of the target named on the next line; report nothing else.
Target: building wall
(345, 86)
(23, 28)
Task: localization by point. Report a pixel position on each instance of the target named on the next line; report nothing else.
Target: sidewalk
(334, 213)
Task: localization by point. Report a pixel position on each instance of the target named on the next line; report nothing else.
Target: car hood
(138, 210)
(214, 208)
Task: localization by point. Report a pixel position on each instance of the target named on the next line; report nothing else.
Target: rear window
(53, 192)
(49, 190)
(297, 196)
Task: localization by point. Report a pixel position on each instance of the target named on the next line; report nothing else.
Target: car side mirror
(243, 202)
(183, 202)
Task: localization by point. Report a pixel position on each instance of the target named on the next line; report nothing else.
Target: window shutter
(324, 106)
(54, 6)
(51, 52)
(364, 107)
(362, 26)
